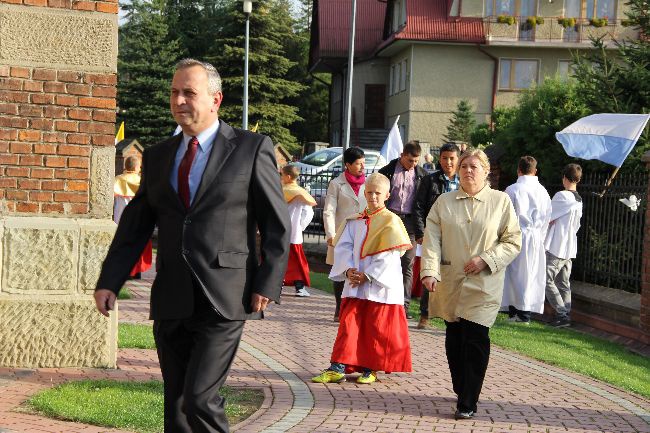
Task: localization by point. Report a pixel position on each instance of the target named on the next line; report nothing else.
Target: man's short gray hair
(214, 79)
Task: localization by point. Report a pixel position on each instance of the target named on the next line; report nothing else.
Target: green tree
(313, 100)
(484, 134)
(271, 26)
(462, 123)
(145, 68)
(529, 129)
(619, 81)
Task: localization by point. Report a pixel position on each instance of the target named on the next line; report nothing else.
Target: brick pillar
(644, 315)
(58, 63)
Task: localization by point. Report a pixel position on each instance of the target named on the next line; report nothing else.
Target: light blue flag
(606, 137)
(393, 145)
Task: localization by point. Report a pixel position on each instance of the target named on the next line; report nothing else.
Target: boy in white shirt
(301, 212)
(373, 332)
(562, 244)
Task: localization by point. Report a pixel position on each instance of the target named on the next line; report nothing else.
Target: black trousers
(407, 260)
(468, 352)
(338, 293)
(195, 356)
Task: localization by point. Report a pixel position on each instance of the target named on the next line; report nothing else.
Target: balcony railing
(552, 31)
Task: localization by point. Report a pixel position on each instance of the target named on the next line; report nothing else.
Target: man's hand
(430, 283)
(419, 240)
(330, 242)
(356, 278)
(474, 266)
(259, 302)
(105, 301)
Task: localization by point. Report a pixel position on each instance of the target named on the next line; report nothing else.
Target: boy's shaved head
(378, 179)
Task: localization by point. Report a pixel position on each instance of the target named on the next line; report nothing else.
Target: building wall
(373, 71)
(442, 75)
(57, 111)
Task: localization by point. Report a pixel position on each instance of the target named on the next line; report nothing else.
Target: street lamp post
(248, 8)
(348, 108)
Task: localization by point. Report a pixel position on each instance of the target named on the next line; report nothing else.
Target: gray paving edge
(636, 410)
(303, 400)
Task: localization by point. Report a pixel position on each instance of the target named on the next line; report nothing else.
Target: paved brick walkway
(281, 353)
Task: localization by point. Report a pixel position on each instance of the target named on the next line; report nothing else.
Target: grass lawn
(136, 406)
(565, 348)
(135, 336)
(124, 294)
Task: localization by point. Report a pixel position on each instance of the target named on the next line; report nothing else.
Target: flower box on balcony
(506, 19)
(599, 22)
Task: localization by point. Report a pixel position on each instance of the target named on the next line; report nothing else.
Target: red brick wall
(49, 120)
(108, 6)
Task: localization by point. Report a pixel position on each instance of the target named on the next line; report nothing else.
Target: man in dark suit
(405, 176)
(208, 190)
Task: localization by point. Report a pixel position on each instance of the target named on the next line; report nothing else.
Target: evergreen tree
(619, 81)
(271, 27)
(313, 100)
(462, 123)
(145, 69)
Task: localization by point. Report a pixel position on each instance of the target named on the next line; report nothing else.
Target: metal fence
(610, 240)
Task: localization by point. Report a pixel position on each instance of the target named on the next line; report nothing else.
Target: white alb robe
(384, 269)
(525, 280)
(562, 239)
(301, 215)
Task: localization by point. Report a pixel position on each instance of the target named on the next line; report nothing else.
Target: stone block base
(63, 332)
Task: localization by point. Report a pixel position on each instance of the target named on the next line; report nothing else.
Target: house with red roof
(417, 59)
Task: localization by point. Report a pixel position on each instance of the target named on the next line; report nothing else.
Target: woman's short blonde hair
(482, 157)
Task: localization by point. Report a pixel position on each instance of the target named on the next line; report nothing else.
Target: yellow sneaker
(329, 376)
(367, 377)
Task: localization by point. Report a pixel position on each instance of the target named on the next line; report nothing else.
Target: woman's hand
(474, 266)
(430, 283)
(330, 241)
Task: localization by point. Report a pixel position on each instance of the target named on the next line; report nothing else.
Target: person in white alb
(523, 291)
(562, 244)
(301, 212)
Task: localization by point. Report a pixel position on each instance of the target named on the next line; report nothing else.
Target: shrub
(598, 22)
(506, 19)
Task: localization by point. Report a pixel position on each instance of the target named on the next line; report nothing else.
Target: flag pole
(609, 182)
(348, 108)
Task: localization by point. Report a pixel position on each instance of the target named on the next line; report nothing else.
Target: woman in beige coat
(471, 236)
(344, 198)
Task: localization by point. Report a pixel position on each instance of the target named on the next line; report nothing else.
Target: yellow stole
(293, 190)
(126, 184)
(386, 232)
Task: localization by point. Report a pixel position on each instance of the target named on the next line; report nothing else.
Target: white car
(331, 160)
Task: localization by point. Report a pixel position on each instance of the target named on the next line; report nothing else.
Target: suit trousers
(195, 356)
(468, 352)
(407, 259)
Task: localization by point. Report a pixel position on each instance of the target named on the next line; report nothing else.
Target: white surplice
(384, 269)
(525, 281)
(301, 215)
(562, 239)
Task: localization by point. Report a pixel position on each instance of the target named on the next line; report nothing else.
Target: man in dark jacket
(405, 177)
(443, 180)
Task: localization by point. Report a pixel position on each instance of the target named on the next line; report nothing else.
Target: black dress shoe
(409, 316)
(464, 414)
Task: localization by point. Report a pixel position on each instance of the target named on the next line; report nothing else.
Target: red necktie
(184, 171)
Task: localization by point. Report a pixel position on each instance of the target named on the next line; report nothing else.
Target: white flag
(393, 145)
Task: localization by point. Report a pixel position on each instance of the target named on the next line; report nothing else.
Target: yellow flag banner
(254, 128)
(120, 134)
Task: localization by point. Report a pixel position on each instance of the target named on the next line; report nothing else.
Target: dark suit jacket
(212, 243)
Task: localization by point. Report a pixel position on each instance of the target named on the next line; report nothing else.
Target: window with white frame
(399, 14)
(517, 74)
(591, 8)
(398, 77)
(500, 7)
(403, 75)
(564, 69)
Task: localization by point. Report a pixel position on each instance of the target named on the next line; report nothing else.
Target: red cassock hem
(144, 262)
(416, 288)
(298, 268)
(372, 335)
